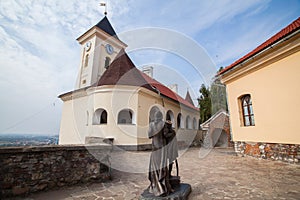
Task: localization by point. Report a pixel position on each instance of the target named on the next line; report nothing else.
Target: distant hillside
(8, 140)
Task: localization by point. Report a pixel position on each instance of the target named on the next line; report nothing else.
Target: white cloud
(36, 58)
(40, 56)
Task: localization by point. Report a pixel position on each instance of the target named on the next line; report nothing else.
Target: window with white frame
(86, 60)
(247, 110)
(188, 122)
(125, 117)
(170, 117)
(195, 124)
(100, 116)
(179, 121)
(107, 62)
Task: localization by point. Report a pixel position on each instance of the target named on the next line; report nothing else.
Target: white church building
(113, 99)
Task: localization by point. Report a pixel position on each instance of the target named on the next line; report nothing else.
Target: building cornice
(73, 94)
(119, 88)
(112, 88)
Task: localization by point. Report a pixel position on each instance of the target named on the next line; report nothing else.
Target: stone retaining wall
(283, 152)
(30, 169)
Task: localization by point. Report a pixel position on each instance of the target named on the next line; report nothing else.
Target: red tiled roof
(165, 91)
(281, 34)
(122, 71)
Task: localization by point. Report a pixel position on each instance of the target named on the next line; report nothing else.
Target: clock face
(88, 45)
(109, 49)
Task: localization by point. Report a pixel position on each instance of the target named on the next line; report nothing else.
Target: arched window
(180, 121)
(100, 116)
(195, 124)
(188, 122)
(86, 60)
(170, 116)
(103, 117)
(153, 110)
(247, 110)
(107, 62)
(125, 116)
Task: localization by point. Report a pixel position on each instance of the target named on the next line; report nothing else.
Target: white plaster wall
(73, 127)
(76, 124)
(113, 100)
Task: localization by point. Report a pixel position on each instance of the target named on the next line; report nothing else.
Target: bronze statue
(164, 153)
(172, 147)
(158, 170)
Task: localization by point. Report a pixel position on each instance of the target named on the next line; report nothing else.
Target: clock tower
(99, 47)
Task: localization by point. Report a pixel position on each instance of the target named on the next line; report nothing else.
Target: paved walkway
(219, 175)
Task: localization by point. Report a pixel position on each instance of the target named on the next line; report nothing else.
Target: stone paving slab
(219, 175)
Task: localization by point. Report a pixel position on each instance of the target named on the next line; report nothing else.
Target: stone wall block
(282, 152)
(30, 169)
(17, 190)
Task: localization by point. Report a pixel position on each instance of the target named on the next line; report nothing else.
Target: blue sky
(40, 54)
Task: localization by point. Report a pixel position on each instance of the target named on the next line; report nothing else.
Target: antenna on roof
(104, 4)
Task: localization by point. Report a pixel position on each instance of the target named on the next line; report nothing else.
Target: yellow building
(263, 91)
(115, 100)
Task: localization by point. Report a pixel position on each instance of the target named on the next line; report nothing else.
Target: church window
(100, 117)
(180, 121)
(125, 117)
(188, 122)
(153, 110)
(84, 81)
(195, 124)
(170, 117)
(107, 62)
(86, 60)
(103, 117)
(247, 110)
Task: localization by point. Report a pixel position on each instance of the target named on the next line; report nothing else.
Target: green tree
(218, 96)
(204, 103)
(212, 99)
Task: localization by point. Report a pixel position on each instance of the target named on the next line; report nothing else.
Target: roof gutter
(262, 51)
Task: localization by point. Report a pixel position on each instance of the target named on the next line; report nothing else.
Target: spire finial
(104, 4)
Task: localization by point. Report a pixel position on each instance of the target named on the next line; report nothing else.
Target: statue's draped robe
(158, 171)
(171, 142)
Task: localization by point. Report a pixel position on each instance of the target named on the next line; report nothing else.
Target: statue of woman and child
(164, 153)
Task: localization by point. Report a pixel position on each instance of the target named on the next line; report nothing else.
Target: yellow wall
(275, 93)
(147, 100)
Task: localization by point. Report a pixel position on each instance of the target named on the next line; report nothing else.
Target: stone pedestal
(181, 192)
(174, 181)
